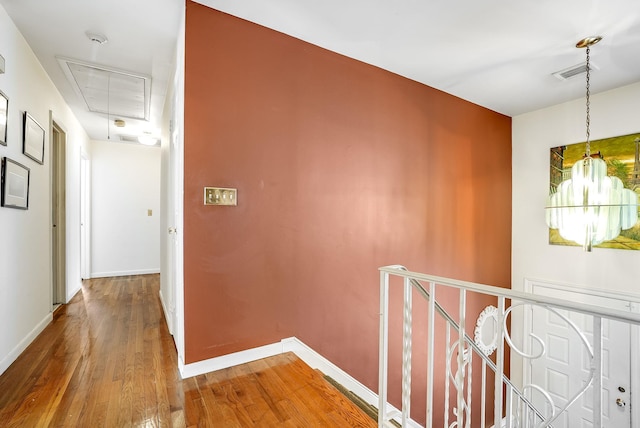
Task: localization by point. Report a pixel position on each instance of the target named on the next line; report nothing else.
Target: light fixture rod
(587, 42)
(588, 143)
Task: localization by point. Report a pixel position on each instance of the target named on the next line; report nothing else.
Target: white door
(172, 228)
(564, 368)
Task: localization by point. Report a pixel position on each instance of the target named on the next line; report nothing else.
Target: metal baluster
(469, 362)
(461, 363)
(497, 411)
(384, 351)
(406, 353)
(509, 405)
(483, 398)
(447, 374)
(430, 351)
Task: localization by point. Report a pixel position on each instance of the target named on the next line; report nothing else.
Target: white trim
(72, 292)
(229, 360)
(291, 344)
(15, 352)
(608, 295)
(635, 376)
(124, 273)
(166, 313)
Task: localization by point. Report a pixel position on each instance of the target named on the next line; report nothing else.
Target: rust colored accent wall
(341, 168)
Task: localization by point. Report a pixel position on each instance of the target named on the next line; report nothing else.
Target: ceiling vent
(109, 91)
(128, 138)
(134, 139)
(576, 70)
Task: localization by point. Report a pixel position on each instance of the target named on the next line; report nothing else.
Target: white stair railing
(511, 406)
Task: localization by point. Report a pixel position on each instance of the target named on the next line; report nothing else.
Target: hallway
(108, 360)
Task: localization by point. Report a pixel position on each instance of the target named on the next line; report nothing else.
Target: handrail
(584, 308)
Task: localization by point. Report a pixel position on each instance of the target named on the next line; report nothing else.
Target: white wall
(125, 180)
(25, 236)
(613, 113)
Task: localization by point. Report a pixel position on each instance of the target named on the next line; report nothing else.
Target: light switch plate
(220, 196)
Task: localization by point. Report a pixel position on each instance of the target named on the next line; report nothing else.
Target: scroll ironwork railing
(501, 402)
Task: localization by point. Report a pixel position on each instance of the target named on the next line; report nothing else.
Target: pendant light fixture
(591, 207)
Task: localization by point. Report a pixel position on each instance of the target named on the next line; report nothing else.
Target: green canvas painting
(622, 155)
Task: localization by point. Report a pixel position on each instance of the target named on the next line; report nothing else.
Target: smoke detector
(97, 38)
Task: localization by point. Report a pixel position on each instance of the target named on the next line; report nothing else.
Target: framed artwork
(622, 155)
(15, 185)
(4, 112)
(33, 139)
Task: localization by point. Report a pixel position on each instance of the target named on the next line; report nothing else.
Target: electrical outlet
(220, 196)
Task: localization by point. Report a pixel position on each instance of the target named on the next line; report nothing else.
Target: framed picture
(15, 185)
(33, 143)
(4, 111)
(622, 156)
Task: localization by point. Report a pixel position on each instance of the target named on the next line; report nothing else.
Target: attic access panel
(109, 91)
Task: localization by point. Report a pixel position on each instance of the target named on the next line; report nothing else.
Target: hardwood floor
(107, 360)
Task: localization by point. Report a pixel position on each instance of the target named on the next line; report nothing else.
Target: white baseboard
(15, 352)
(292, 344)
(124, 273)
(167, 315)
(229, 360)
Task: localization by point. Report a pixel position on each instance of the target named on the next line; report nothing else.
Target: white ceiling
(142, 37)
(496, 53)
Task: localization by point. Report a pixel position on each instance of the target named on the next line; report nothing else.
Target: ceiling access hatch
(109, 91)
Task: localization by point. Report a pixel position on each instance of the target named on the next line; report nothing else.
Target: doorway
(58, 214)
(565, 364)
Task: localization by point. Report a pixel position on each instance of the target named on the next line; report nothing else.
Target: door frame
(58, 141)
(85, 215)
(606, 299)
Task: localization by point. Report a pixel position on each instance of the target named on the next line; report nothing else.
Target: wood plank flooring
(108, 360)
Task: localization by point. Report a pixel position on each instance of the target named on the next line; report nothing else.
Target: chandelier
(591, 207)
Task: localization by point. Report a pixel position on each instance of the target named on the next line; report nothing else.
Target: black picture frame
(4, 118)
(33, 139)
(14, 185)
